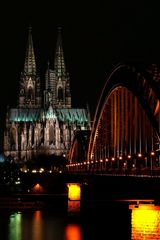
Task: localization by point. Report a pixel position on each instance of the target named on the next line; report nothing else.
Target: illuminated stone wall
(145, 223)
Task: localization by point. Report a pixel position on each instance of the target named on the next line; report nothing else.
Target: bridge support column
(74, 198)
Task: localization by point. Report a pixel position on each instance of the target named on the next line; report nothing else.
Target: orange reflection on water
(145, 222)
(74, 206)
(73, 232)
(37, 226)
(38, 216)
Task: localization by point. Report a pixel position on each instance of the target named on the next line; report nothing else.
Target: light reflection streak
(37, 226)
(73, 232)
(15, 226)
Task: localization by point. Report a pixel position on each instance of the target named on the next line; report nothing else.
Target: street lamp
(152, 154)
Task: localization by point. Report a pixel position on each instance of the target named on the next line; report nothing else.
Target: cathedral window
(60, 93)
(22, 91)
(13, 138)
(51, 135)
(30, 93)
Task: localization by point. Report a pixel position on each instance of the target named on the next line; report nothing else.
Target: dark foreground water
(102, 220)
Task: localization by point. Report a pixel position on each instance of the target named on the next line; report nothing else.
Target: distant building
(43, 123)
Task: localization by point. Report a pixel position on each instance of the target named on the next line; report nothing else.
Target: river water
(95, 221)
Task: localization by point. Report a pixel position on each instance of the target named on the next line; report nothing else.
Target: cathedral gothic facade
(43, 123)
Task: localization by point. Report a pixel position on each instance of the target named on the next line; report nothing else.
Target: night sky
(95, 38)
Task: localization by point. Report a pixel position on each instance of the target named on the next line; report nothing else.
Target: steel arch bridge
(125, 134)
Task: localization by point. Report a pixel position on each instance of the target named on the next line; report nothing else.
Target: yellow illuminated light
(74, 191)
(41, 170)
(145, 222)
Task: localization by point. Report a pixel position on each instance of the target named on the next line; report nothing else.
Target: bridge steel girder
(78, 150)
(138, 81)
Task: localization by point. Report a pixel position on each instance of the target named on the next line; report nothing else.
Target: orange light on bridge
(145, 221)
(113, 158)
(37, 188)
(129, 156)
(74, 191)
(139, 155)
(120, 157)
(152, 153)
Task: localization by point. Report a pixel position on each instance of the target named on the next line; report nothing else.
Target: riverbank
(51, 192)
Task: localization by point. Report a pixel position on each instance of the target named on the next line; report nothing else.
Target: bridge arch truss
(126, 128)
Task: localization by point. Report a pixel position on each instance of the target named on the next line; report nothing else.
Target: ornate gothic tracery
(34, 127)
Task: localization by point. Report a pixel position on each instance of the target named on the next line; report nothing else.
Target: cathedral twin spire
(30, 63)
(59, 63)
(34, 128)
(57, 84)
(29, 95)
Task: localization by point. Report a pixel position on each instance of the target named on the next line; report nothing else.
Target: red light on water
(73, 232)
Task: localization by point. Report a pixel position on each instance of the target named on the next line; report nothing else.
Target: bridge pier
(74, 198)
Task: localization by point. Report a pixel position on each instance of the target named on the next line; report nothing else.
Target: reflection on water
(73, 232)
(15, 226)
(108, 220)
(37, 226)
(145, 222)
(32, 225)
(73, 207)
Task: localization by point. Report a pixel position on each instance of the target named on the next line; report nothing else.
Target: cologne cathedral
(43, 123)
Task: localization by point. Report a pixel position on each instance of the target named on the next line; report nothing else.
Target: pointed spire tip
(30, 28)
(59, 29)
(48, 63)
